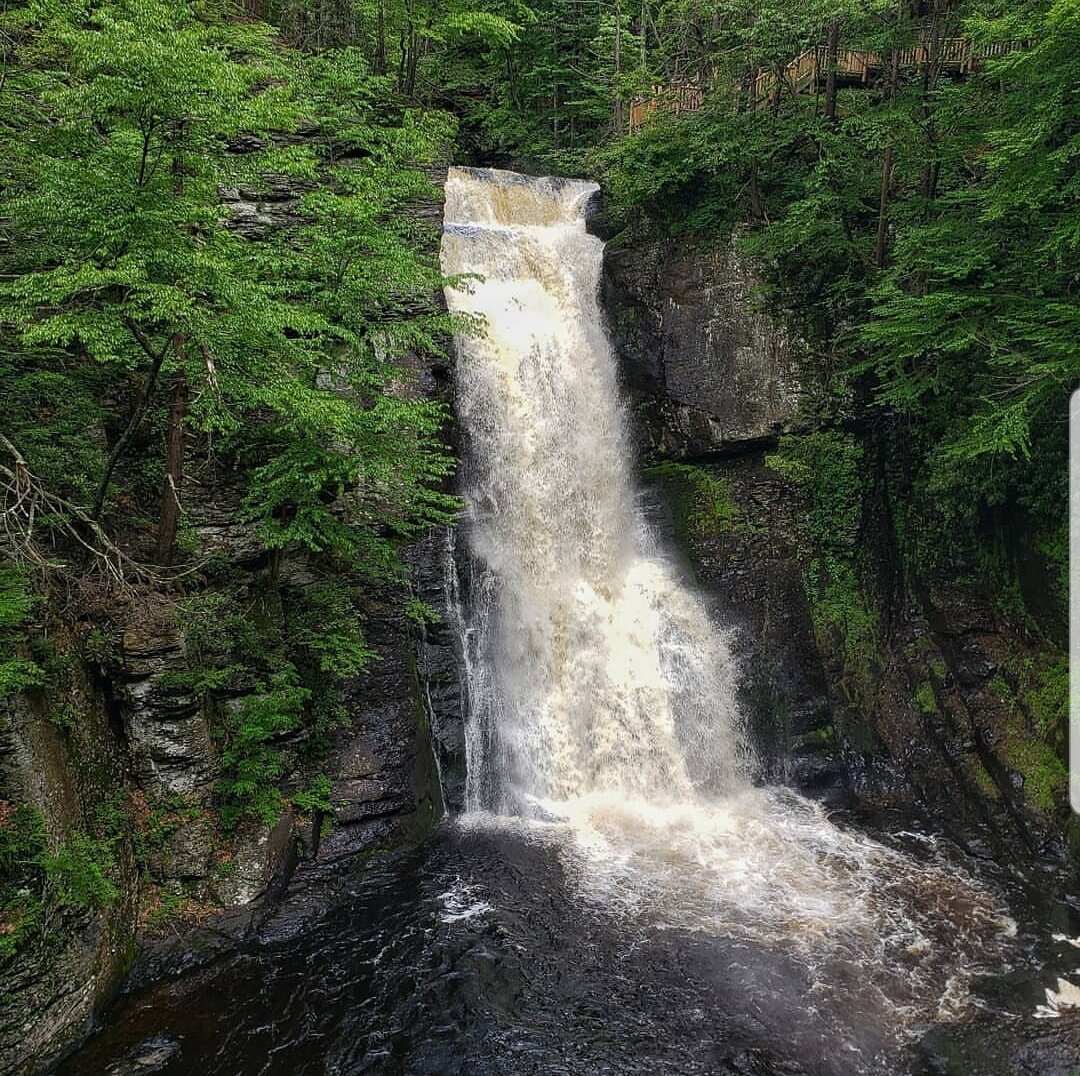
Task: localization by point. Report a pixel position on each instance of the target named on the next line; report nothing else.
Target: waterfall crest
(593, 670)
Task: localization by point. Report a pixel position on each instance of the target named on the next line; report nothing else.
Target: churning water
(602, 703)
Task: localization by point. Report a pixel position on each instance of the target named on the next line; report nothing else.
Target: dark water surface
(472, 955)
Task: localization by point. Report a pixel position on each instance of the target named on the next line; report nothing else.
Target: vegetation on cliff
(172, 359)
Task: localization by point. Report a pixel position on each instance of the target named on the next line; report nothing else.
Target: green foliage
(284, 351)
(22, 842)
(327, 631)
(271, 675)
(78, 872)
(250, 759)
(17, 671)
(924, 238)
(315, 799)
(825, 467)
(703, 502)
(22, 837)
(156, 823)
(419, 612)
(168, 906)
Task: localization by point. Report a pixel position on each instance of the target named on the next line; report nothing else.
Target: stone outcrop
(69, 772)
(385, 785)
(712, 371)
(166, 727)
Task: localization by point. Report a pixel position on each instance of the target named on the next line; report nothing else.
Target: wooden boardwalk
(807, 72)
(673, 99)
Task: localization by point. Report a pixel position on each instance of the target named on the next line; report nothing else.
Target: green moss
(925, 699)
(703, 503)
(1002, 688)
(821, 737)
(1045, 775)
(986, 783)
(1048, 698)
(17, 670)
(22, 842)
(1037, 726)
(825, 468)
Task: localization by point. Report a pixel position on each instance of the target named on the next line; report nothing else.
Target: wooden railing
(675, 98)
(956, 55)
(808, 70)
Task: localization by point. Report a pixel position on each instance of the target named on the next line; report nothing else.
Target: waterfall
(592, 670)
(602, 710)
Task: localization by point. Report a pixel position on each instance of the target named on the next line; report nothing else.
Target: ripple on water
(884, 944)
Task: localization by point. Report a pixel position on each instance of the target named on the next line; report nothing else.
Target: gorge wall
(869, 684)
(117, 758)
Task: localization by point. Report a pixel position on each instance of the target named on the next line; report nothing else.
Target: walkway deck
(807, 72)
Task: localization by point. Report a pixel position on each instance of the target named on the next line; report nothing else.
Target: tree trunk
(883, 209)
(413, 56)
(832, 53)
(142, 402)
(881, 241)
(169, 521)
(755, 194)
(617, 112)
(380, 38)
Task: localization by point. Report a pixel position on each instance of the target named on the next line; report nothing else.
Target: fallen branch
(24, 499)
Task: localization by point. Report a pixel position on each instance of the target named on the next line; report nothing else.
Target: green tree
(283, 350)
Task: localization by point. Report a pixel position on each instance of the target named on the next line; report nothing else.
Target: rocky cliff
(867, 683)
(112, 768)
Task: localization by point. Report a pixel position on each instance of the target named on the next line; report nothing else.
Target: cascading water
(602, 710)
(592, 670)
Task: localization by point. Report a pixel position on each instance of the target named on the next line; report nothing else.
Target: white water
(594, 671)
(602, 706)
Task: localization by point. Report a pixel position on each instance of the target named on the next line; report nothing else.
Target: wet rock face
(384, 783)
(710, 382)
(167, 730)
(439, 660)
(940, 710)
(749, 571)
(710, 372)
(51, 987)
